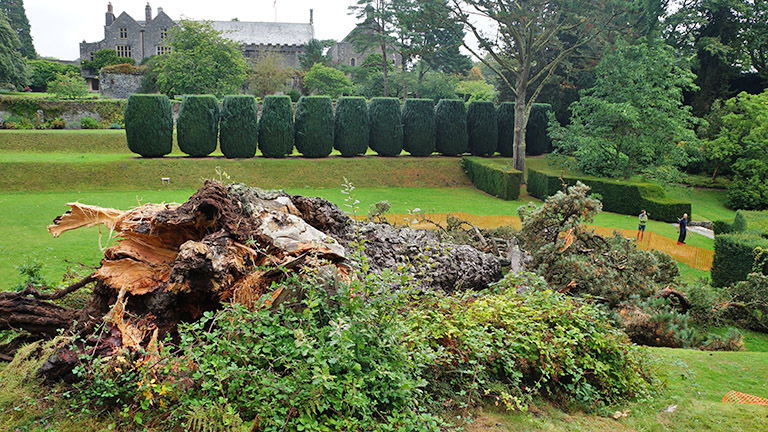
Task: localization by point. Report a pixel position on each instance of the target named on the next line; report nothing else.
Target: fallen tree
(172, 263)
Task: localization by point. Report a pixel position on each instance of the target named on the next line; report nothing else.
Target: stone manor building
(146, 38)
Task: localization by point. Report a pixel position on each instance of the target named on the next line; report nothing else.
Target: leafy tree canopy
(43, 71)
(17, 18)
(202, 61)
(13, 68)
(634, 115)
(326, 80)
(269, 75)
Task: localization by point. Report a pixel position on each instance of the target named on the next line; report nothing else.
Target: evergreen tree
(17, 18)
(13, 68)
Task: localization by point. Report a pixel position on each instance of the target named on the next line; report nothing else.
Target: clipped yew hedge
(276, 127)
(197, 126)
(352, 127)
(239, 131)
(149, 125)
(386, 126)
(617, 196)
(419, 131)
(482, 128)
(506, 116)
(314, 126)
(451, 123)
(536, 138)
(491, 176)
(735, 244)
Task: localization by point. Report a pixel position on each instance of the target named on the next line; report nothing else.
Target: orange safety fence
(692, 256)
(743, 398)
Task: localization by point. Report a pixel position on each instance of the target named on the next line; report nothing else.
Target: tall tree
(526, 41)
(269, 75)
(754, 35)
(314, 52)
(202, 61)
(17, 18)
(13, 67)
(376, 29)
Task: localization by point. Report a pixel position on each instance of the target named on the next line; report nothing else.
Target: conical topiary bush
(451, 123)
(239, 131)
(276, 127)
(149, 125)
(419, 127)
(352, 129)
(197, 126)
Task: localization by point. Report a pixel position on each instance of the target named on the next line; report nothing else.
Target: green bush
(88, 122)
(506, 115)
(294, 94)
(482, 128)
(148, 125)
(386, 126)
(735, 244)
(617, 196)
(419, 127)
(451, 123)
(197, 126)
(536, 139)
(314, 126)
(493, 177)
(276, 127)
(352, 127)
(239, 130)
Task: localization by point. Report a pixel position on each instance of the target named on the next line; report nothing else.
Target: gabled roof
(266, 33)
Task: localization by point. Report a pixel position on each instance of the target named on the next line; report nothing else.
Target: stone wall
(119, 86)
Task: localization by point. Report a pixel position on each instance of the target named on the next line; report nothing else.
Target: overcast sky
(58, 26)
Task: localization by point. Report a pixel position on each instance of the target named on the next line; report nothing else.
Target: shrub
(451, 124)
(239, 131)
(352, 126)
(419, 127)
(88, 122)
(386, 126)
(295, 95)
(749, 303)
(617, 196)
(149, 125)
(536, 138)
(482, 128)
(514, 346)
(314, 126)
(197, 125)
(506, 115)
(112, 126)
(495, 178)
(73, 125)
(734, 257)
(276, 127)
(68, 86)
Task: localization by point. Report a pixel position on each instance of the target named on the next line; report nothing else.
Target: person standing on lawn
(641, 225)
(682, 228)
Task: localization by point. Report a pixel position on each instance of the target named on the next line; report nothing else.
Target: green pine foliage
(149, 125)
(451, 123)
(197, 126)
(536, 138)
(419, 132)
(506, 116)
(482, 128)
(314, 126)
(276, 127)
(239, 127)
(352, 127)
(386, 126)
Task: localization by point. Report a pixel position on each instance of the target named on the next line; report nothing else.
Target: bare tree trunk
(521, 120)
(384, 65)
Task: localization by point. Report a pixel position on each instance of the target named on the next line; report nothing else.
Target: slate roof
(266, 33)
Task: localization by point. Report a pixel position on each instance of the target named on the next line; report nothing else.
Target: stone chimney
(110, 14)
(159, 10)
(311, 16)
(148, 13)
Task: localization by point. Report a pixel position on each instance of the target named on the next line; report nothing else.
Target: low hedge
(734, 246)
(276, 127)
(419, 127)
(482, 128)
(314, 126)
(352, 127)
(506, 116)
(536, 138)
(386, 126)
(197, 126)
(493, 177)
(149, 125)
(617, 196)
(239, 130)
(451, 123)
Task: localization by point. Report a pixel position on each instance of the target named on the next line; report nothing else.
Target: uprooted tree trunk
(225, 244)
